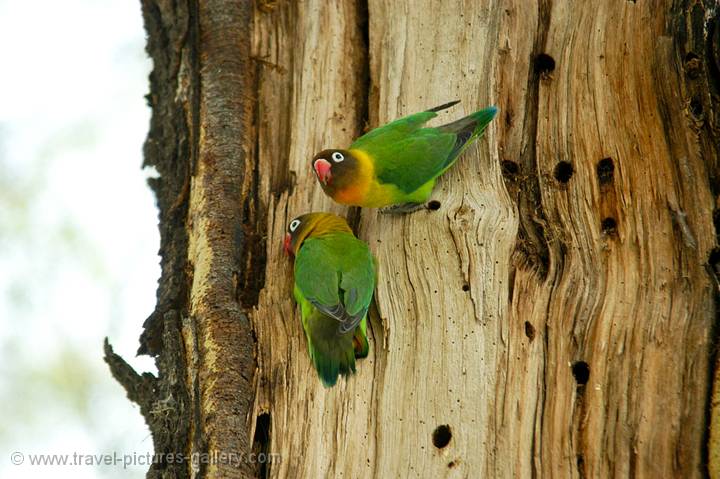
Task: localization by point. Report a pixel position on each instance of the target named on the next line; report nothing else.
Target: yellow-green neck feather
(367, 191)
(318, 224)
(362, 184)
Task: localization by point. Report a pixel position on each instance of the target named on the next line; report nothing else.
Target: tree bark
(552, 314)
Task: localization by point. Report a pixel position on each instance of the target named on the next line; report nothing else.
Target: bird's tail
(330, 364)
(444, 106)
(468, 129)
(334, 355)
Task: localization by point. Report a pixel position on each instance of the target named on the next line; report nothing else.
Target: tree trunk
(551, 314)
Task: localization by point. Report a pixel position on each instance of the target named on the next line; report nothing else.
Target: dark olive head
(335, 170)
(311, 224)
(294, 234)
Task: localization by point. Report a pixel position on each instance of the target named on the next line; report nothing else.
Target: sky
(78, 232)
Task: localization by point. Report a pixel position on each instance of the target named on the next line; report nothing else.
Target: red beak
(322, 169)
(286, 243)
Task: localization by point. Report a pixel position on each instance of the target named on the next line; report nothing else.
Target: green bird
(334, 284)
(396, 165)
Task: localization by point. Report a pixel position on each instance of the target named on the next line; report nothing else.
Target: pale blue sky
(78, 233)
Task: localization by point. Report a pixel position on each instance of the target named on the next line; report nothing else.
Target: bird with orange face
(396, 165)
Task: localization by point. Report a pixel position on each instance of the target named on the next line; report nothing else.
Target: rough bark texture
(553, 315)
(200, 333)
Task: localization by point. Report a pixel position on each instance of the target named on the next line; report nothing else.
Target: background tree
(552, 312)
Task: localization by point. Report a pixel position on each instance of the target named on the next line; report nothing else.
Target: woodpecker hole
(696, 108)
(609, 226)
(693, 65)
(441, 436)
(510, 169)
(714, 259)
(544, 63)
(564, 171)
(529, 330)
(605, 171)
(581, 372)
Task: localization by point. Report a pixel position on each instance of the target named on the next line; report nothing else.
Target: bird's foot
(402, 208)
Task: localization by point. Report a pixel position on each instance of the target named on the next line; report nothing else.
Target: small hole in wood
(529, 330)
(434, 205)
(466, 287)
(544, 63)
(510, 169)
(696, 107)
(693, 65)
(714, 259)
(605, 171)
(508, 118)
(581, 372)
(564, 171)
(261, 441)
(441, 436)
(451, 464)
(609, 226)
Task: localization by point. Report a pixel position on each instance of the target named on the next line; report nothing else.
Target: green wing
(405, 154)
(393, 132)
(336, 273)
(416, 159)
(409, 156)
(399, 129)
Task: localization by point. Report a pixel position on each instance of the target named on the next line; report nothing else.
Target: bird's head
(335, 169)
(294, 236)
(311, 224)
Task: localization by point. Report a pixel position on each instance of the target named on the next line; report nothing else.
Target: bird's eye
(337, 157)
(293, 225)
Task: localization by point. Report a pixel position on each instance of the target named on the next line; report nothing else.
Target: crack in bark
(261, 442)
(696, 40)
(253, 231)
(524, 188)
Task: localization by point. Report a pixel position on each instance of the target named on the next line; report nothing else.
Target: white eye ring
(293, 225)
(337, 157)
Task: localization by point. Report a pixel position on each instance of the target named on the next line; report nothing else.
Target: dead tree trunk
(553, 314)
(200, 331)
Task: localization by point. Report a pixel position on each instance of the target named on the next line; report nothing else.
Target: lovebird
(395, 166)
(335, 276)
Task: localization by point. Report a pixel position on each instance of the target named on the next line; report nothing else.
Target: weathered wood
(311, 62)
(559, 321)
(444, 274)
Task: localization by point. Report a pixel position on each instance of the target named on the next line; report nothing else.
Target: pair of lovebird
(394, 167)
